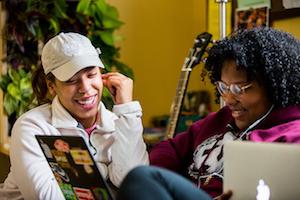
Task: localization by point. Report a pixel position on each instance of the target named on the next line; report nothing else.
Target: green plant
(16, 85)
(32, 22)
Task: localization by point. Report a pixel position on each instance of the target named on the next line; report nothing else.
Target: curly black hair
(270, 56)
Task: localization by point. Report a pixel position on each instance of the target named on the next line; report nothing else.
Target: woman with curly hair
(257, 74)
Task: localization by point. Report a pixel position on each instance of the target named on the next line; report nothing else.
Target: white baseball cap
(67, 53)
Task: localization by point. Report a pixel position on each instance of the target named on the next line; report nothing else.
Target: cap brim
(69, 69)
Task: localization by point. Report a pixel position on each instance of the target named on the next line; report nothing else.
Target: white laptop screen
(262, 170)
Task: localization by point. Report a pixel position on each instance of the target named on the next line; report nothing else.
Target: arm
(29, 167)
(173, 154)
(128, 149)
(177, 154)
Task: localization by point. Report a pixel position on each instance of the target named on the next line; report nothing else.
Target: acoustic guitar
(194, 57)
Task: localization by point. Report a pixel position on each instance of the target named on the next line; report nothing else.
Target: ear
(51, 87)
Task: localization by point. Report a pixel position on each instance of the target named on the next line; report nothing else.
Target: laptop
(262, 171)
(74, 168)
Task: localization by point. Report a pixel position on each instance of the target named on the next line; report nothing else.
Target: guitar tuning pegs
(207, 49)
(203, 40)
(204, 60)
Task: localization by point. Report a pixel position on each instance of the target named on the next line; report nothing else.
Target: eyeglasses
(233, 88)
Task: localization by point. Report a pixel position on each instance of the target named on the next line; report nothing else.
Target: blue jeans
(153, 183)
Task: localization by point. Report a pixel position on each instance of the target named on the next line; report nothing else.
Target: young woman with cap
(69, 87)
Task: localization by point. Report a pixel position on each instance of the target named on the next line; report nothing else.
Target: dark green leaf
(4, 81)
(14, 75)
(112, 12)
(111, 23)
(10, 104)
(124, 69)
(25, 84)
(60, 8)
(30, 3)
(101, 6)
(23, 73)
(54, 24)
(14, 91)
(22, 108)
(107, 37)
(107, 99)
(83, 6)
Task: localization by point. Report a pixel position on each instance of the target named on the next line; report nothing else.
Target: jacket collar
(281, 115)
(277, 116)
(61, 118)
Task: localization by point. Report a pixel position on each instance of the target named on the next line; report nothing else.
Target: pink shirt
(90, 129)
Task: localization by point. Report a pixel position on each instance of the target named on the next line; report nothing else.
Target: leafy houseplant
(18, 92)
(30, 23)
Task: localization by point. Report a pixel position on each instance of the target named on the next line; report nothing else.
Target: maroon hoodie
(182, 153)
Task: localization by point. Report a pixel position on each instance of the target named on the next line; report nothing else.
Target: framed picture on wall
(278, 10)
(251, 17)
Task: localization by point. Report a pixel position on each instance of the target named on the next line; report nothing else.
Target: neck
(257, 121)
(87, 123)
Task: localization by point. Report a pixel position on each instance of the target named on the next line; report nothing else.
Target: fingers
(119, 86)
(225, 196)
(107, 82)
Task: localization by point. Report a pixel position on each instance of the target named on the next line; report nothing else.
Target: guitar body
(194, 58)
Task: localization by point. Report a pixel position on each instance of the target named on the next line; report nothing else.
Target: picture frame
(276, 12)
(252, 17)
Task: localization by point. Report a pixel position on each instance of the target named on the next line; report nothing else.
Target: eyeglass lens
(233, 88)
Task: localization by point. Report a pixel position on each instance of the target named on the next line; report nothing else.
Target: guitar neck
(193, 59)
(177, 102)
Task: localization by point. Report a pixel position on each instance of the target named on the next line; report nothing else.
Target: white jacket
(118, 143)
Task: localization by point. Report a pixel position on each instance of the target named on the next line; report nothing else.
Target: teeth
(90, 100)
(236, 113)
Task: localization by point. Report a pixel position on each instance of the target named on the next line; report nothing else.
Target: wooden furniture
(4, 138)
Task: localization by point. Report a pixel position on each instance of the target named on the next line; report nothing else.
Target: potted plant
(32, 22)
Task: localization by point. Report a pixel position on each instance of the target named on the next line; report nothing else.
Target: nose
(229, 99)
(84, 86)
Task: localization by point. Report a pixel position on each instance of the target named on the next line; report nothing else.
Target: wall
(290, 25)
(158, 34)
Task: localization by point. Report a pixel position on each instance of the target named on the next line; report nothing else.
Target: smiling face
(80, 95)
(62, 146)
(250, 105)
